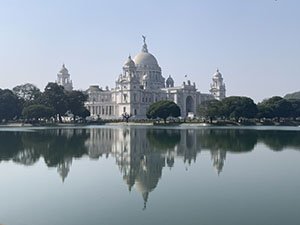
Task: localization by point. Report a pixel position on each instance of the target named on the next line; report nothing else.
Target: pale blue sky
(254, 43)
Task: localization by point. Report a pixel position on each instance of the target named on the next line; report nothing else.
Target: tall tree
(275, 107)
(27, 92)
(10, 105)
(295, 104)
(54, 96)
(76, 101)
(163, 109)
(211, 109)
(239, 107)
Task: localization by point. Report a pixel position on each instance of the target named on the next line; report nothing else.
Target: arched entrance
(189, 105)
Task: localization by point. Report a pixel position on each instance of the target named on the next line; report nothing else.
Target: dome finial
(144, 49)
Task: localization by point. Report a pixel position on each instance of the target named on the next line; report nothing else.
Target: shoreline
(179, 124)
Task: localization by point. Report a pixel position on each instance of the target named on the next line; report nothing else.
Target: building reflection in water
(140, 153)
(218, 158)
(63, 168)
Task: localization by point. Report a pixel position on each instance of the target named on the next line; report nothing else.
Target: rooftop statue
(144, 39)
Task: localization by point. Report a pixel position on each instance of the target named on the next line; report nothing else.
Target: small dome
(145, 58)
(170, 79)
(217, 73)
(129, 62)
(64, 70)
(170, 82)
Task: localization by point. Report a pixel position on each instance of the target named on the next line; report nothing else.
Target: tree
(239, 107)
(163, 109)
(211, 109)
(283, 108)
(37, 112)
(55, 97)
(295, 95)
(10, 105)
(264, 111)
(27, 92)
(295, 104)
(76, 101)
(275, 107)
(84, 113)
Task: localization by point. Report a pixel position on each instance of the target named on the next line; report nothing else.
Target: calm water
(145, 175)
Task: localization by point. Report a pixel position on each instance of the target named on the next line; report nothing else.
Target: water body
(145, 175)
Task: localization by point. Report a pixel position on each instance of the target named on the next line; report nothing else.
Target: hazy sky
(254, 43)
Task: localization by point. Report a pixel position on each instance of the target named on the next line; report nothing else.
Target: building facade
(140, 84)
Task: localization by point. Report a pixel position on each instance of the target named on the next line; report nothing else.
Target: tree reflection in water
(140, 153)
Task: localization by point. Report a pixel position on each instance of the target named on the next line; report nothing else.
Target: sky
(254, 43)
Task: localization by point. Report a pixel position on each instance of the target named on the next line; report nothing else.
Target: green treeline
(238, 108)
(28, 102)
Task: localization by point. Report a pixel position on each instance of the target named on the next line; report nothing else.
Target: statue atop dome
(144, 49)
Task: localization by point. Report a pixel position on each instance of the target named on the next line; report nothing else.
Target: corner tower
(217, 88)
(63, 79)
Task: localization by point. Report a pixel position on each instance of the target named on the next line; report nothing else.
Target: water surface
(146, 175)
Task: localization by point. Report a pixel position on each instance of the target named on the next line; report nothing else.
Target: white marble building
(141, 84)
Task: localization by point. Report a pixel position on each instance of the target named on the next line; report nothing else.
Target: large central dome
(147, 69)
(145, 58)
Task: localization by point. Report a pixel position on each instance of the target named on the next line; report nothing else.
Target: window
(124, 109)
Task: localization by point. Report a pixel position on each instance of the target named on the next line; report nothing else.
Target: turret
(217, 88)
(63, 79)
(169, 82)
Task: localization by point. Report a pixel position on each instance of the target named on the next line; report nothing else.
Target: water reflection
(140, 153)
(57, 147)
